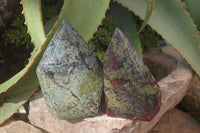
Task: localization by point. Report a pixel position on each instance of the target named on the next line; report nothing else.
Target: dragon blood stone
(130, 89)
(70, 75)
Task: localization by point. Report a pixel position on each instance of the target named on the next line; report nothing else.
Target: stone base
(176, 121)
(173, 86)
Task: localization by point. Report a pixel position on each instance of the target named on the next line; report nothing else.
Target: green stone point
(130, 89)
(70, 75)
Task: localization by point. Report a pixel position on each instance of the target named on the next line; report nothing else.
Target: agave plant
(168, 18)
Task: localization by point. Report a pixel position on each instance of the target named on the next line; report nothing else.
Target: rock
(41, 117)
(173, 87)
(159, 64)
(176, 121)
(18, 127)
(130, 89)
(70, 75)
(192, 97)
(21, 114)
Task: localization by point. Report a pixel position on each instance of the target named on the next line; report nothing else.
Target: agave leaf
(48, 26)
(126, 23)
(24, 83)
(193, 7)
(12, 103)
(19, 88)
(150, 7)
(174, 24)
(38, 39)
(85, 15)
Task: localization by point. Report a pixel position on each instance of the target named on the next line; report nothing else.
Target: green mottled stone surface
(70, 75)
(130, 89)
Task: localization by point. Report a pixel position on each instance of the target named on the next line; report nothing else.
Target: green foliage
(173, 23)
(50, 13)
(16, 32)
(50, 8)
(149, 39)
(126, 23)
(120, 17)
(102, 37)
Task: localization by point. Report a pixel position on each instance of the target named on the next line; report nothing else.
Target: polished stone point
(130, 89)
(70, 75)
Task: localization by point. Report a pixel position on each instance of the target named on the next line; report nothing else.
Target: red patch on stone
(108, 112)
(74, 64)
(113, 114)
(43, 68)
(113, 64)
(146, 117)
(117, 82)
(66, 55)
(93, 104)
(150, 116)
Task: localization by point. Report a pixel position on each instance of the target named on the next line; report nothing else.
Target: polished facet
(130, 89)
(70, 75)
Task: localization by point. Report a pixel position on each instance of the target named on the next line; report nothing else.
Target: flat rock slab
(176, 121)
(18, 127)
(173, 86)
